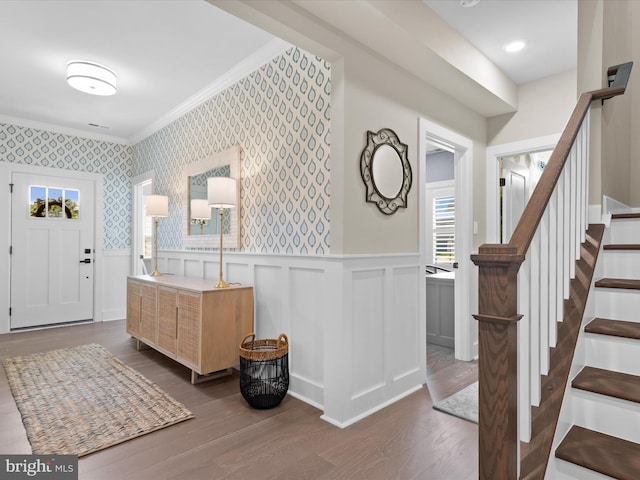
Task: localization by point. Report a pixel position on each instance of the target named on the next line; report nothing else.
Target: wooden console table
(190, 321)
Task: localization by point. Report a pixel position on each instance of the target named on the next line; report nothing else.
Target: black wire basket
(264, 370)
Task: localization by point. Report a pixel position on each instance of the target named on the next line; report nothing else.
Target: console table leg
(197, 378)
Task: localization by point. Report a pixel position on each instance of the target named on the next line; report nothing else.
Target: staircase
(603, 405)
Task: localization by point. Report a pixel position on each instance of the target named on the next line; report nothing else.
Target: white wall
(544, 107)
(116, 267)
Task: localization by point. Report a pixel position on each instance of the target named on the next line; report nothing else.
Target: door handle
(86, 260)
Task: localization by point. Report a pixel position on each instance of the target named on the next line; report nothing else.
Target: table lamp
(222, 192)
(200, 212)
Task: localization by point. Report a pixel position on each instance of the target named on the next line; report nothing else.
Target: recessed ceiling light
(469, 3)
(91, 78)
(514, 46)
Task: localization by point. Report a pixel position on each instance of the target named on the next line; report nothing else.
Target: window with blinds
(444, 221)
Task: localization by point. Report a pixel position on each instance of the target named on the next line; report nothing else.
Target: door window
(53, 202)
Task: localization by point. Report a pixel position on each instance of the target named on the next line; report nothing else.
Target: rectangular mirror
(199, 233)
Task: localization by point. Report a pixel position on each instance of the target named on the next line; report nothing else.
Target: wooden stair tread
(602, 453)
(615, 328)
(607, 382)
(625, 215)
(628, 283)
(622, 246)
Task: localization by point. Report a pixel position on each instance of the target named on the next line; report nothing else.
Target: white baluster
(544, 292)
(524, 329)
(571, 165)
(579, 187)
(554, 284)
(586, 128)
(566, 233)
(534, 317)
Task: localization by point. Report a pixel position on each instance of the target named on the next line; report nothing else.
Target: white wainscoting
(356, 331)
(117, 265)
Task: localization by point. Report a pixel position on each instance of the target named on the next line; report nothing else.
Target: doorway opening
(433, 139)
(440, 249)
(142, 226)
(518, 177)
(497, 200)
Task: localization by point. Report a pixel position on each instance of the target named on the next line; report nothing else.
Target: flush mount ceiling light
(514, 46)
(469, 3)
(91, 78)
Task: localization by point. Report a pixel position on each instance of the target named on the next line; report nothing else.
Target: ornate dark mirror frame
(387, 205)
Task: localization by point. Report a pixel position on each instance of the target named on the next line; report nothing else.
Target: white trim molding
(494, 153)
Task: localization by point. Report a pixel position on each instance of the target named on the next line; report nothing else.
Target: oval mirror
(387, 171)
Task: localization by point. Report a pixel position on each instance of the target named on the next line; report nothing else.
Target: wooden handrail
(528, 224)
(498, 305)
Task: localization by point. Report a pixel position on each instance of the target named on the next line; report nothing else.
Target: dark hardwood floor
(230, 440)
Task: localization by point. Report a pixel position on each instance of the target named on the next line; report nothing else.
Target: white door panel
(515, 196)
(50, 283)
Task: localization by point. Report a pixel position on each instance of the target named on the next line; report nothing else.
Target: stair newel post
(498, 267)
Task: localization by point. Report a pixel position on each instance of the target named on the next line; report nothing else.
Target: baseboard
(375, 409)
(111, 315)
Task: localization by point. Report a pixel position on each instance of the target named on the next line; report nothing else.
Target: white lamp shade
(222, 192)
(156, 205)
(200, 209)
(91, 78)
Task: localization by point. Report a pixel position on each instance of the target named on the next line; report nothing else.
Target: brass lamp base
(155, 273)
(221, 284)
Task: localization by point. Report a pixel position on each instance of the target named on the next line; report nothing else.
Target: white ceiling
(171, 55)
(164, 53)
(548, 27)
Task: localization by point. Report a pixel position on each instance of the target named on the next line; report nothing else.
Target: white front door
(515, 195)
(52, 250)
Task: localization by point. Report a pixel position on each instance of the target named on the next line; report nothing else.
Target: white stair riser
(624, 231)
(612, 353)
(617, 304)
(561, 470)
(621, 263)
(612, 416)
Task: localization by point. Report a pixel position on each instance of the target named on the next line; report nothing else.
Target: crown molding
(52, 127)
(271, 50)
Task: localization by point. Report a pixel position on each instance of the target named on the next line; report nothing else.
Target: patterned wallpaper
(279, 115)
(46, 149)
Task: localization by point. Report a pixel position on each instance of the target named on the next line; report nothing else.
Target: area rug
(79, 400)
(462, 404)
